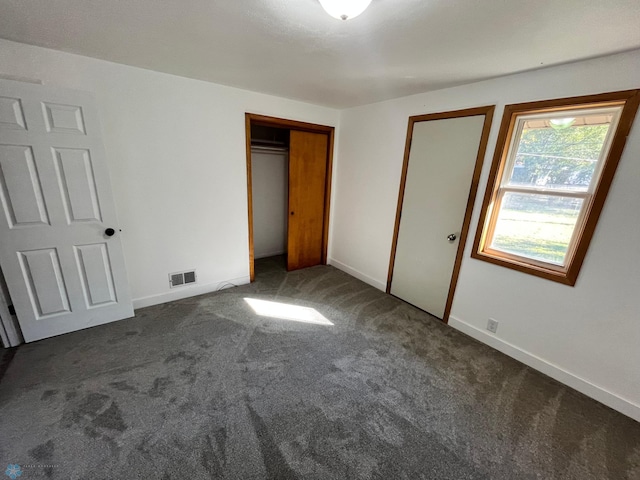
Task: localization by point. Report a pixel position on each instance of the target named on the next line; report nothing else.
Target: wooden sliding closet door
(307, 187)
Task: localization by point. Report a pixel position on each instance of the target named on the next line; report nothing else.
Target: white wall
(587, 336)
(269, 173)
(176, 153)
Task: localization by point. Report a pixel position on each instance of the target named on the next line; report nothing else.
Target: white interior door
(439, 175)
(63, 269)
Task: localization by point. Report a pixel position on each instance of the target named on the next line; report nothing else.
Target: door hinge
(12, 310)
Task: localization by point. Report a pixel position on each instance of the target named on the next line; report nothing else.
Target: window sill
(564, 276)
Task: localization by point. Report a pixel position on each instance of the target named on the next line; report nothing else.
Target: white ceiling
(292, 48)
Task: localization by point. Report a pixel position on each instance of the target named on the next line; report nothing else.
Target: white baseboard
(358, 274)
(185, 292)
(610, 399)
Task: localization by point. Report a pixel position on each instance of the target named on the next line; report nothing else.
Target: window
(553, 165)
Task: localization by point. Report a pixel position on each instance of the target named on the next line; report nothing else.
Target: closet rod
(268, 149)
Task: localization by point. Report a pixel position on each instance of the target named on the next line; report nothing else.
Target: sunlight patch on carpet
(286, 311)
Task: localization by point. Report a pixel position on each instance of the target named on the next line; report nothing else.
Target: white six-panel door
(63, 271)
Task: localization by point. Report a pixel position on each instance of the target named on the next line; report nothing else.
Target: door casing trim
(263, 120)
(487, 111)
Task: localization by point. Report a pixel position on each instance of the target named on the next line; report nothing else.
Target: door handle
(109, 232)
(452, 237)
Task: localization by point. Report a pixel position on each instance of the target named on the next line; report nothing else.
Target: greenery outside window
(553, 165)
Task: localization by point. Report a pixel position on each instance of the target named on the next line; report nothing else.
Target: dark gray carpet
(205, 388)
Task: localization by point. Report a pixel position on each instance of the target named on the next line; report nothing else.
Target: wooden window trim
(629, 99)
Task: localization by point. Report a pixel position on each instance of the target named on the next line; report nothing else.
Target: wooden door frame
(487, 111)
(266, 121)
(10, 332)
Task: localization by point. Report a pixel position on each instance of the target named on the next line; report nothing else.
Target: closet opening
(270, 195)
(289, 189)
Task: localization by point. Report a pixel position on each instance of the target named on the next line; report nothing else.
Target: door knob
(109, 232)
(452, 237)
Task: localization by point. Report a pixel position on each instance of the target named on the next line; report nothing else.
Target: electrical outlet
(492, 325)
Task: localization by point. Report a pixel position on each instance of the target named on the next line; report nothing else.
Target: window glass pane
(536, 226)
(560, 152)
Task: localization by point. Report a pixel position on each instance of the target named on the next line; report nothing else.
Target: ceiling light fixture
(344, 9)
